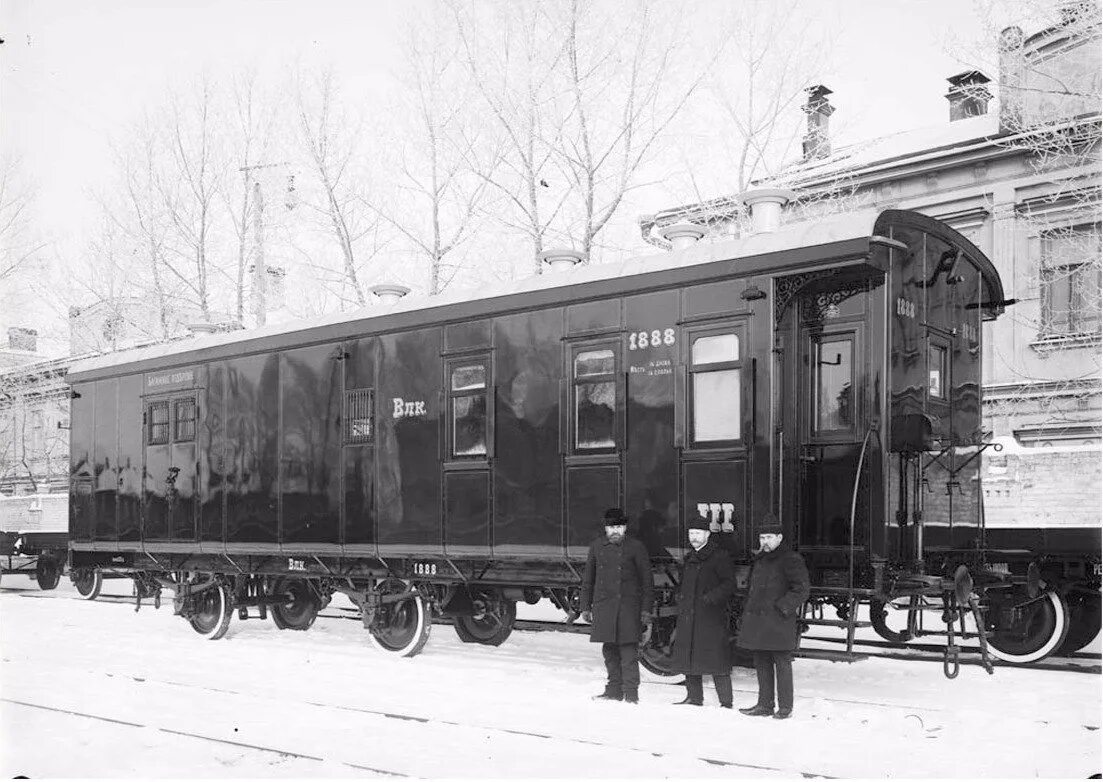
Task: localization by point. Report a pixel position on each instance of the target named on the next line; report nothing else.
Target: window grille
(359, 415)
(157, 423)
(184, 420)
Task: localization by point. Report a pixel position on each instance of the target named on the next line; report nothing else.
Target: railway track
(391, 715)
(1078, 662)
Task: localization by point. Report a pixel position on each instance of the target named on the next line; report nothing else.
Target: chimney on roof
(387, 293)
(766, 205)
(1012, 77)
(20, 338)
(968, 95)
(682, 235)
(561, 258)
(817, 142)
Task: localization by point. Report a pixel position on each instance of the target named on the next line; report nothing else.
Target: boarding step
(832, 655)
(835, 622)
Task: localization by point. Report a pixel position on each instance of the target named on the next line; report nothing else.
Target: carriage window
(359, 415)
(937, 371)
(833, 384)
(157, 423)
(595, 392)
(469, 405)
(184, 420)
(715, 371)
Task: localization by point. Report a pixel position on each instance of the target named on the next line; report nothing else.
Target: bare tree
(331, 138)
(18, 246)
(253, 123)
(447, 159)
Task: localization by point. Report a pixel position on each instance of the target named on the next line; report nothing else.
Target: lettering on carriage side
(642, 340)
(181, 378)
(407, 409)
(905, 307)
(296, 564)
(719, 514)
(969, 331)
(425, 568)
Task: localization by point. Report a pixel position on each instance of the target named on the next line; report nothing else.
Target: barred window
(157, 423)
(359, 415)
(184, 420)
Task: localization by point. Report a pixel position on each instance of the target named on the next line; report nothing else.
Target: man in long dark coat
(778, 589)
(616, 600)
(701, 635)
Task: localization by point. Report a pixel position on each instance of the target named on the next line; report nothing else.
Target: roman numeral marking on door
(720, 514)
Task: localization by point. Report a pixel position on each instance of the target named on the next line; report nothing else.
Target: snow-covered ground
(95, 689)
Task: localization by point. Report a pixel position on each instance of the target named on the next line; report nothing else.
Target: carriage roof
(839, 236)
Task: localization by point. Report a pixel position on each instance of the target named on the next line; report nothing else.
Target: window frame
(817, 339)
(177, 403)
(355, 399)
(614, 377)
(451, 365)
(691, 335)
(163, 403)
(1077, 311)
(933, 346)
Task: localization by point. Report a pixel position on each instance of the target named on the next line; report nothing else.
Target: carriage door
(828, 413)
(169, 484)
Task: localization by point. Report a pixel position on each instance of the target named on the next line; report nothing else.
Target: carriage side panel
(527, 475)
(252, 449)
(409, 443)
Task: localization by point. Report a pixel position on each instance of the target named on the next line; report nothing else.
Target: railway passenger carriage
(452, 457)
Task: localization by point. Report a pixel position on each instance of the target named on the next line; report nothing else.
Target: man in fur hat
(778, 588)
(701, 635)
(616, 601)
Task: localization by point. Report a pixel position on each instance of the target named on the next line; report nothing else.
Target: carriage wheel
(213, 611)
(88, 583)
(400, 628)
(301, 609)
(47, 571)
(656, 655)
(1031, 633)
(491, 629)
(878, 617)
(1084, 621)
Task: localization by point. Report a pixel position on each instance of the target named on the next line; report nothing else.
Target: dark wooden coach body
(829, 372)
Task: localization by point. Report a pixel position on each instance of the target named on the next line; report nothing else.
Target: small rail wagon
(449, 457)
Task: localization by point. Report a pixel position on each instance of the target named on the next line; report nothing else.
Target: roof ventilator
(561, 258)
(682, 235)
(387, 293)
(765, 206)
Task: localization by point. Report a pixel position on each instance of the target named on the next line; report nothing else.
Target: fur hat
(698, 522)
(769, 525)
(614, 517)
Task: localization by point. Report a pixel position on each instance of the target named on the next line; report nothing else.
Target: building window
(714, 372)
(468, 401)
(359, 415)
(157, 423)
(183, 420)
(595, 398)
(832, 384)
(1070, 281)
(937, 369)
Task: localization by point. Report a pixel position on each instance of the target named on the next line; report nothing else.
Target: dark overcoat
(616, 586)
(778, 587)
(701, 643)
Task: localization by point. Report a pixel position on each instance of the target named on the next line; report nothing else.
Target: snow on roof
(825, 230)
(930, 141)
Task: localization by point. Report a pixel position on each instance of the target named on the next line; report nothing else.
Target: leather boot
(631, 696)
(757, 711)
(688, 701)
